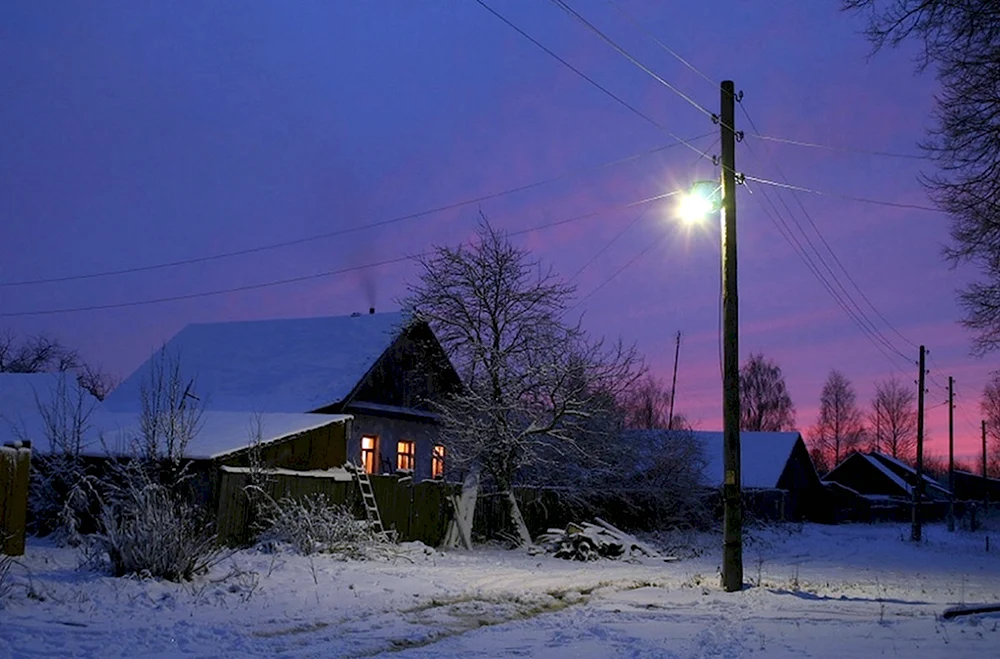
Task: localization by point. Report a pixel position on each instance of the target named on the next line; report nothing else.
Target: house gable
(409, 376)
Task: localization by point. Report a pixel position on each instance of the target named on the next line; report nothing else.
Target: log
(969, 610)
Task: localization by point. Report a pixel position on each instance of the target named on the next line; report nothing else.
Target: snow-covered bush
(147, 528)
(314, 525)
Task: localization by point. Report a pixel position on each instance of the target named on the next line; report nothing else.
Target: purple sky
(137, 133)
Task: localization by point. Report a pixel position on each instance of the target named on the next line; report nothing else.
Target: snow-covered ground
(816, 591)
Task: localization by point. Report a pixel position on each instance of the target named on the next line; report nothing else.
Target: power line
(842, 149)
(826, 244)
(624, 53)
(593, 82)
(658, 42)
(844, 296)
(880, 202)
(618, 271)
(341, 232)
(789, 236)
(318, 275)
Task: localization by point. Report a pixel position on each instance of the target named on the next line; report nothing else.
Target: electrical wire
(843, 295)
(880, 202)
(658, 42)
(793, 241)
(593, 82)
(829, 249)
(312, 276)
(618, 271)
(841, 149)
(624, 53)
(348, 230)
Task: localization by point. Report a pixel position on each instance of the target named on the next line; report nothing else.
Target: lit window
(404, 456)
(437, 462)
(369, 451)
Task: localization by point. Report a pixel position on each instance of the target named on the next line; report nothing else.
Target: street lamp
(706, 197)
(702, 200)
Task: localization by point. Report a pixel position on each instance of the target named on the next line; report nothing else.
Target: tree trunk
(515, 516)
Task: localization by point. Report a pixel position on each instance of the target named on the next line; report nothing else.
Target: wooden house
(778, 477)
(382, 370)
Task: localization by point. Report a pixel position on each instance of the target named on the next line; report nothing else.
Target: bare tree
(840, 428)
(536, 389)
(96, 381)
(990, 406)
(36, 354)
(170, 414)
(960, 39)
(893, 419)
(59, 492)
(764, 400)
(646, 405)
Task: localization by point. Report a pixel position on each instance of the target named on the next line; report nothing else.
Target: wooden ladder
(368, 498)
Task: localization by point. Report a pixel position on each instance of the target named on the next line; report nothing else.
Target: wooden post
(918, 487)
(951, 453)
(732, 543)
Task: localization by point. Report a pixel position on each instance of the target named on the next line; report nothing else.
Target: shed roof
(220, 433)
(280, 365)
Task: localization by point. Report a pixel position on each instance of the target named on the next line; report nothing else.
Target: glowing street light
(703, 200)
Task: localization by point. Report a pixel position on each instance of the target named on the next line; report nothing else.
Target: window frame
(371, 468)
(438, 454)
(406, 457)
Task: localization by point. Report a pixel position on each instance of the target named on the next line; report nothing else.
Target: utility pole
(878, 426)
(951, 453)
(732, 542)
(986, 495)
(918, 488)
(673, 385)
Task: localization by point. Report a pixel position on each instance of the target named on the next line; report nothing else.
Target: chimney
(371, 311)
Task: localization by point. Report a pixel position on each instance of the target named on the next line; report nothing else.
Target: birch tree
(764, 401)
(537, 390)
(840, 426)
(893, 419)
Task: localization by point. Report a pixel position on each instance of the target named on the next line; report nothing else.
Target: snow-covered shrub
(314, 525)
(147, 528)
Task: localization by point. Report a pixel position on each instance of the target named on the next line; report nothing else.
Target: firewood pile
(591, 542)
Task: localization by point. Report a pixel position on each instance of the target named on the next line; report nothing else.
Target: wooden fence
(15, 464)
(416, 511)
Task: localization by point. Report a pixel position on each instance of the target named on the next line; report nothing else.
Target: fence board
(15, 465)
(415, 511)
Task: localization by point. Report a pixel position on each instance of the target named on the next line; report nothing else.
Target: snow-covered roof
(902, 466)
(279, 365)
(220, 433)
(763, 455)
(889, 473)
(20, 397)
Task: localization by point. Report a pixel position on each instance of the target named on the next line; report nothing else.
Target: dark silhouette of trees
(840, 427)
(893, 420)
(764, 400)
(990, 406)
(961, 41)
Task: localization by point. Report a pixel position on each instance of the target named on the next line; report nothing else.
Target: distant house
(770, 461)
(880, 475)
(973, 487)
(383, 370)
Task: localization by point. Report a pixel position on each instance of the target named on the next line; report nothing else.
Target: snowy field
(815, 591)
